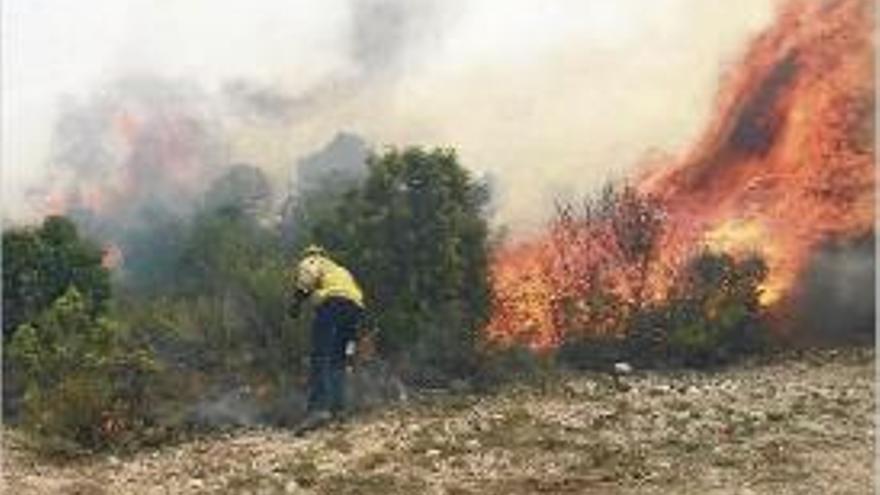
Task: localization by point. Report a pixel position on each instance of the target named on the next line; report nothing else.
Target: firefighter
(339, 308)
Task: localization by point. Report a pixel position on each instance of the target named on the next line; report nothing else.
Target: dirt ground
(796, 425)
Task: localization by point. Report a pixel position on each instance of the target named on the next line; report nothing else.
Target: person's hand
(296, 304)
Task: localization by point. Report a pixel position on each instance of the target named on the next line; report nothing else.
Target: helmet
(314, 250)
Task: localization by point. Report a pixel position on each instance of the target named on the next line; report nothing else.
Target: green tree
(40, 264)
(234, 265)
(415, 234)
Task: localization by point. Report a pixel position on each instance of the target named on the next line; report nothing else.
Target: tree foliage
(40, 264)
(415, 235)
(228, 296)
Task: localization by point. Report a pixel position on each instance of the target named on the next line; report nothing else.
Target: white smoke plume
(550, 99)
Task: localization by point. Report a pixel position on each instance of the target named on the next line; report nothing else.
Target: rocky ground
(796, 425)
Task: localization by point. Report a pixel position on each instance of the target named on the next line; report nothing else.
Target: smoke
(335, 167)
(384, 31)
(226, 407)
(260, 103)
(370, 385)
(139, 142)
(837, 303)
(130, 163)
(547, 99)
(325, 175)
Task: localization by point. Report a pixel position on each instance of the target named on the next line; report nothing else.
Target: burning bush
(714, 313)
(608, 256)
(611, 296)
(595, 272)
(786, 167)
(710, 316)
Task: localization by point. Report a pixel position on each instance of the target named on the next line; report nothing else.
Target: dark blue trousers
(335, 324)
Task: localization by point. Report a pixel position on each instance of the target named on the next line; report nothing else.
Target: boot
(313, 421)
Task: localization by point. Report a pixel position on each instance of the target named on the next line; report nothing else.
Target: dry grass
(801, 425)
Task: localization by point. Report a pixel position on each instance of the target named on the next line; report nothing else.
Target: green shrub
(84, 383)
(39, 264)
(229, 295)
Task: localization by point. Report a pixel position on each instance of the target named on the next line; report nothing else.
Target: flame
(525, 312)
(750, 236)
(786, 165)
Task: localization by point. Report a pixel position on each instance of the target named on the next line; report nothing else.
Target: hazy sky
(549, 97)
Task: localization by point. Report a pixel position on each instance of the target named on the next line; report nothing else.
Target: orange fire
(524, 310)
(787, 165)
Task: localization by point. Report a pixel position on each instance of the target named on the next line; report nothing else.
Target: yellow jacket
(323, 278)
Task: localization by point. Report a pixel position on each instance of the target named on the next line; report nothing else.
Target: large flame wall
(786, 165)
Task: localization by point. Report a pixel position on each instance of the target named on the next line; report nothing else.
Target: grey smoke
(370, 385)
(384, 30)
(384, 37)
(839, 294)
(338, 165)
(244, 187)
(141, 141)
(78, 143)
(132, 161)
(326, 174)
(259, 102)
(232, 407)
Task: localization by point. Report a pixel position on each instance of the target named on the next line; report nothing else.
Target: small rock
(623, 368)
(432, 452)
(196, 484)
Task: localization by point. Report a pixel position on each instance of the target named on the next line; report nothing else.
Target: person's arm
(307, 276)
(299, 296)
